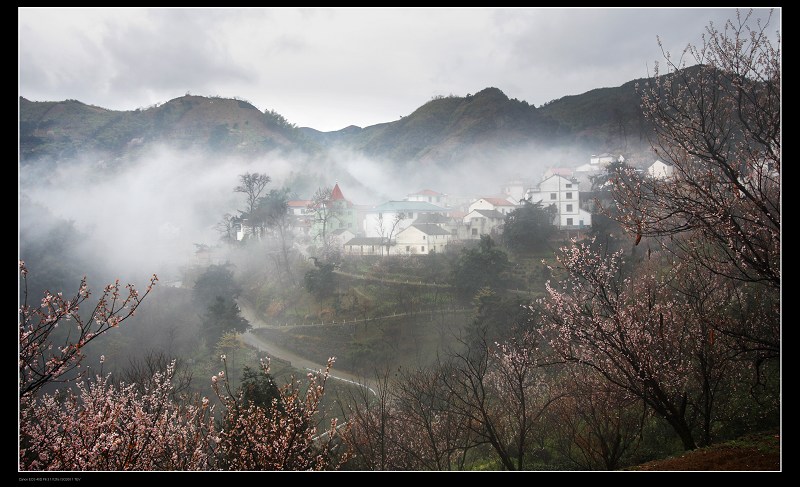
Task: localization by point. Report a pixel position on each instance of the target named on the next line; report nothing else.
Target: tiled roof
(498, 202)
(430, 229)
(336, 194)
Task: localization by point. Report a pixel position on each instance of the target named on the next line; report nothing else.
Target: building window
(569, 196)
(474, 232)
(569, 207)
(552, 196)
(423, 249)
(408, 248)
(349, 224)
(569, 186)
(569, 221)
(423, 237)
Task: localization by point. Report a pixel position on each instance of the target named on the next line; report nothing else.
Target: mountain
(442, 131)
(488, 124)
(64, 129)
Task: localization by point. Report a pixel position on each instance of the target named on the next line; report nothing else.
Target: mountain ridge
(441, 131)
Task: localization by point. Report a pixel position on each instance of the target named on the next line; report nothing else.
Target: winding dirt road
(297, 361)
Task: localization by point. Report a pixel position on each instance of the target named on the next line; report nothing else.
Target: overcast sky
(329, 68)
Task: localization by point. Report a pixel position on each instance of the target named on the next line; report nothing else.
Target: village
(428, 221)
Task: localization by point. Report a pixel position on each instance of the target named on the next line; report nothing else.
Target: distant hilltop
(485, 124)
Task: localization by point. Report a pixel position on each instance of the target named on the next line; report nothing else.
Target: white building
(367, 246)
(390, 218)
(565, 195)
(515, 189)
(660, 170)
(299, 207)
(340, 236)
(502, 205)
(605, 159)
(483, 222)
(429, 196)
(422, 238)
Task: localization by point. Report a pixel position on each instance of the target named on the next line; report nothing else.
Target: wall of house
(414, 241)
(438, 200)
(372, 223)
(478, 225)
(482, 204)
(659, 170)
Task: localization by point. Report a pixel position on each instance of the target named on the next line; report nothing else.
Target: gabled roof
(561, 171)
(340, 231)
(368, 241)
(432, 218)
(336, 194)
(569, 180)
(490, 214)
(408, 206)
(298, 203)
(498, 201)
(429, 229)
(426, 192)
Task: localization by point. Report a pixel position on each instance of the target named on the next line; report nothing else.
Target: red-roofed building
(564, 172)
(336, 194)
(335, 214)
(298, 207)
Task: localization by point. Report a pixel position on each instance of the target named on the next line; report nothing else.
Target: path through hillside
(297, 361)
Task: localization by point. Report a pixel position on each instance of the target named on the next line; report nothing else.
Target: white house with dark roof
(448, 223)
(564, 194)
(422, 238)
(367, 246)
(482, 222)
(389, 218)
(502, 205)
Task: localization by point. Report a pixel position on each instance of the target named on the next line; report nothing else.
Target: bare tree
(252, 185)
(597, 424)
(226, 228)
(501, 394)
(387, 229)
(142, 370)
(273, 209)
(368, 413)
(325, 213)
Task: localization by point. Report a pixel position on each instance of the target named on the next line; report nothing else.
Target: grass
(753, 452)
